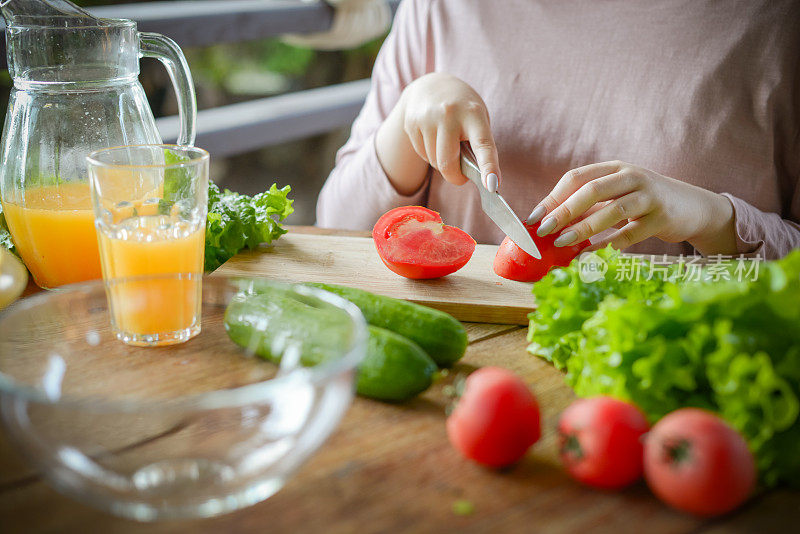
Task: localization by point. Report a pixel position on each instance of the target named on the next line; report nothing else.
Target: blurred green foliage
(270, 63)
(215, 64)
(233, 72)
(286, 59)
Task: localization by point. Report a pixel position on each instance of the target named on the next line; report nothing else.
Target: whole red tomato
(515, 264)
(413, 242)
(695, 462)
(600, 442)
(496, 420)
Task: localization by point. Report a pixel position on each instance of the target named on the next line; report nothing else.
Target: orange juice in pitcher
(53, 229)
(75, 90)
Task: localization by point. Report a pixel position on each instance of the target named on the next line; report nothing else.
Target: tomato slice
(414, 242)
(513, 263)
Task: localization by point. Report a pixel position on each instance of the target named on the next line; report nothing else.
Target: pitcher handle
(169, 53)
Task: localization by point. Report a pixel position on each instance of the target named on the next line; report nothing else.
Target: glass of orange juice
(150, 204)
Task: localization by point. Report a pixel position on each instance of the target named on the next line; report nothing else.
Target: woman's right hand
(433, 115)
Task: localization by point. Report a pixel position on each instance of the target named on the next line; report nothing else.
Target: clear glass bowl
(189, 430)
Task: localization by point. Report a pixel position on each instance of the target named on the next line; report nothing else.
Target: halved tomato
(414, 242)
(515, 264)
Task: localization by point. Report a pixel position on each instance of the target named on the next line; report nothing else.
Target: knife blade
(496, 207)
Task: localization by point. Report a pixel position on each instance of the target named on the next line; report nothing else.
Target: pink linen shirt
(704, 91)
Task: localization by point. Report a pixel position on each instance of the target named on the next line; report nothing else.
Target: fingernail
(547, 226)
(565, 239)
(536, 215)
(492, 183)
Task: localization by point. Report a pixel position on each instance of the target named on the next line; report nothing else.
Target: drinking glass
(75, 90)
(150, 204)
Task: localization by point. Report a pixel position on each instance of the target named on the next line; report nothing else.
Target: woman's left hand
(640, 203)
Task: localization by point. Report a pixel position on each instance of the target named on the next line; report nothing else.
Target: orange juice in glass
(150, 204)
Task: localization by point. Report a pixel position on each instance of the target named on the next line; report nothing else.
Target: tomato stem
(677, 450)
(453, 393)
(570, 446)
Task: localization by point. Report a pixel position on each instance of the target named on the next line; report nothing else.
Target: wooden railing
(238, 128)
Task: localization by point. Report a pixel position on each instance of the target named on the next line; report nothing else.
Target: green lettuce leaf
(237, 221)
(5, 236)
(726, 343)
(177, 180)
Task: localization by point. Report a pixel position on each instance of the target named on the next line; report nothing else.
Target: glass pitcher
(76, 90)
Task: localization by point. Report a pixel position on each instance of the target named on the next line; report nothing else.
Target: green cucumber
(268, 323)
(438, 333)
(394, 368)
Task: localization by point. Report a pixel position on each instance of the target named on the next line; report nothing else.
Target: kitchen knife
(496, 206)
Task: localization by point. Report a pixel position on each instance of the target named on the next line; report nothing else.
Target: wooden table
(390, 468)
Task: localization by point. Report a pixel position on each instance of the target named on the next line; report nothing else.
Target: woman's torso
(702, 91)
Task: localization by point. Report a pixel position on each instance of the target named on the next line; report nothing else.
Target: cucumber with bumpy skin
(267, 322)
(273, 322)
(395, 368)
(439, 334)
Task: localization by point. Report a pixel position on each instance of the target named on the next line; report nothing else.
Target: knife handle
(469, 165)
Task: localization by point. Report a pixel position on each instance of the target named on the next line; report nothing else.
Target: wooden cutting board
(473, 294)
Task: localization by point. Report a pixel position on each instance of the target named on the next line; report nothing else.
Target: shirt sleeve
(773, 235)
(358, 191)
(763, 234)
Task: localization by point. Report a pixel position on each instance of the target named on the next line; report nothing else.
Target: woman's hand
(640, 203)
(434, 114)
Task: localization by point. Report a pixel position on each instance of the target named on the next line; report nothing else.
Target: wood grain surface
(389, 468)
(473, 293)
